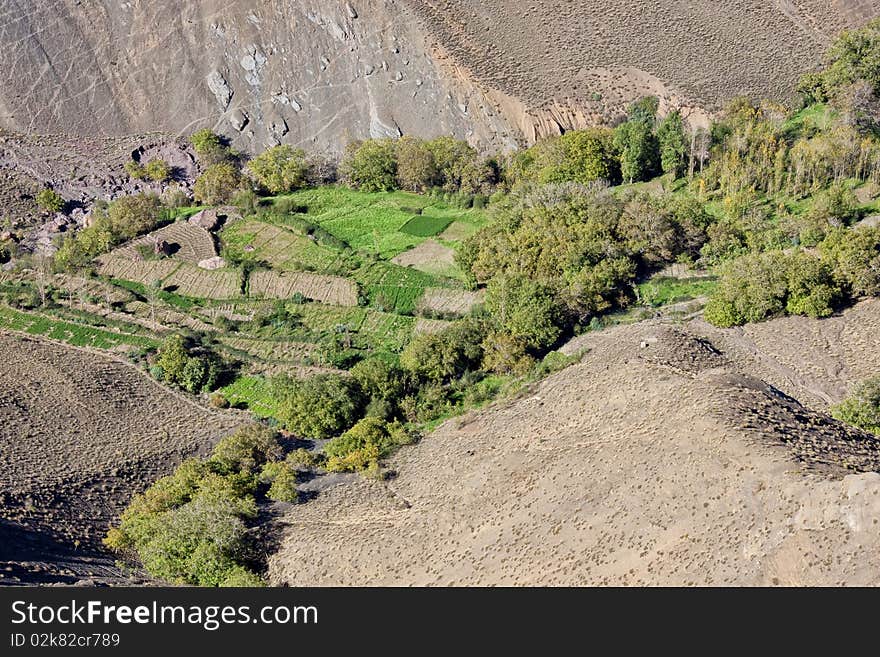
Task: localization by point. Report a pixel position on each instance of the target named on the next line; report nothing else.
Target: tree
(416, 167)
(218, 184)
(637, 148)
(441, 357)
(157, 170)
(524, 309)
(50, 200)
(673, 144)
(636, 143)
(130, 216)
(319, 407)
(370, 166)
(209, 147)
(280, 169)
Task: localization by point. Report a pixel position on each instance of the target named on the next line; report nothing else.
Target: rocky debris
(210, 219)
(238, 119)
(220, 88)
(212, 263)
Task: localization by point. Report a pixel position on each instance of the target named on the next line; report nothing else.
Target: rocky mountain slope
(665, 457)
(318, 73)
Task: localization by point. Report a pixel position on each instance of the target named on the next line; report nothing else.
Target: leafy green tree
(209, 147)
(379, 379)
(50, 200)
(280, 169)
(318, 407)
(157, 170)
(441, 357)
(855, 257)
(673, 144)
(218, 184)
(637, 148)
(130, 216)
(370, 166)
(416, 167)
(524, 309)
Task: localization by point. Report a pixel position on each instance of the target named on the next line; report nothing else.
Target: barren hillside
(320, 73)
(81, 433)
(663, 458)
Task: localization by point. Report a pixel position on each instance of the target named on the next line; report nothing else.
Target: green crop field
(423, 225)
(255, 392)
(374, 223)
(393, 288)
(71, 333)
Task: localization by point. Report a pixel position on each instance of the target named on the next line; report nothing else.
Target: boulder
(212, 263)
(207, 219)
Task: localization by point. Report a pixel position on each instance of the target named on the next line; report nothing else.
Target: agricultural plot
(423, 225)
(430, 257)
(78, 335)
(254, 392)
(429, 326)
(272, 350)
(374, 223)
(333, 290)
(191, 281)
(280, 247)
(188, 242)
(145, 272)
(392, 288)
(445, 301)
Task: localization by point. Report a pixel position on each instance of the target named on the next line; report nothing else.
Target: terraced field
(280, 247)
(333, 290)
(188, 242)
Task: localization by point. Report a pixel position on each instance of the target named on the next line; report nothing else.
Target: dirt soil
(318, 73)
(671, 455)
(80, 432)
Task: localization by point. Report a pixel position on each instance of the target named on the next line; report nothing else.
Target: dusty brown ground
(317, 73)
(663, 458)
(79, 434)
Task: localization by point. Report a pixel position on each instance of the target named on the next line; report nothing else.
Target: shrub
(505, 354)
(50, 200)
(755, 287)
(218, 184)
(524, 309)
(246, 450)
(190, 527)
(319, 407)
(862, 408)
(855, 257)
(362, 445)
(280, 169)
(282, 479)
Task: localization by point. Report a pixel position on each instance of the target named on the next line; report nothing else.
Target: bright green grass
(71, 333)
(372, 223)
(394, 288)
(661, 291)
(255, 392)
(282, 248)
(426, 226)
